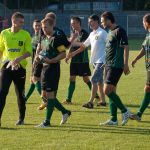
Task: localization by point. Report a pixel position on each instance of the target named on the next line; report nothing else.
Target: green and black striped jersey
(146, 46)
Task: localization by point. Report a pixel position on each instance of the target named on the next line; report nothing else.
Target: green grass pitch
(82, 131)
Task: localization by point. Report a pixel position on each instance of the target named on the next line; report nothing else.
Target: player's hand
(67, 58)
(126, 69)
(36, 61)
(133, 63)
(15, 61)
(75, 35)
(50, 61)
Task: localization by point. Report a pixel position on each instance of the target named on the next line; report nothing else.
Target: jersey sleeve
(123, 37)
(2, 46)
(28, 45)
(62, 35)
(65, 40)
(85, 35)
(59, 44)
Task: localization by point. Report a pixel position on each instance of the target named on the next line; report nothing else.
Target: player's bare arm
(126, 58)
(61, 56)
(79, 50)
(139, 56)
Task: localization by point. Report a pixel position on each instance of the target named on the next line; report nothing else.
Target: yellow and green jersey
(14, 45)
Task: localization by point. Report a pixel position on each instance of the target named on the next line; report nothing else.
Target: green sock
(59, 106)
(89, 84)
(144, 104)
(115, 98)
(70, 91)
(50, 108)
(113, 110)
(55, 93)
(30, 91)
(38, 87)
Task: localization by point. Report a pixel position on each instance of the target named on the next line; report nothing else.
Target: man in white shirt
(97, 40)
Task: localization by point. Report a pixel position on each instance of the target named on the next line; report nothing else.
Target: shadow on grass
(90, 111)
(7, 128)
(99, 129)
(30, 103)
(133, 105)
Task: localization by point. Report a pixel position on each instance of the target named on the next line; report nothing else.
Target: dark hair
(146, 18)
(17, 15)
(37, 21)
(95, 18)
(76, 18)
(108, 15)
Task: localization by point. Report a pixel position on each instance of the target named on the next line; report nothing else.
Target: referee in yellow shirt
(15, 47)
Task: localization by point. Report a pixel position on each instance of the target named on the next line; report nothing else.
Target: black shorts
(50, 77)
(80, 69)
(148, 78)
(112, 75)
(36, 71)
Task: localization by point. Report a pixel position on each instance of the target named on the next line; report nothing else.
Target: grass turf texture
(82, 130)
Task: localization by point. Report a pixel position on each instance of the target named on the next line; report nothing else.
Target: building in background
(128, 13)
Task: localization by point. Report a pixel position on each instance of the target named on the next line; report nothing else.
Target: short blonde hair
(49, 20)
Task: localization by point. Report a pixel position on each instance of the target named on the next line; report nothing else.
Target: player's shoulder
(5, 31)
(57, 38)
(24, 32)
(101, 30)
(84, 31)
(58, 31)
(120, 29)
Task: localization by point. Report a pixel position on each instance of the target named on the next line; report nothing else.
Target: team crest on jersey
(20, 43)
(96, 37)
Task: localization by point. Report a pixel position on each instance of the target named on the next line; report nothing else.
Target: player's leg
(145, 101)
(112, 78)
(5, 82)
(50, 80)
(54, 86)
(31, 89)
(37, 77)
(19, 77)
(97, 77)
(37, 83)
(86, 80)
(50, 97)
(72, 83)
(102, 101)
